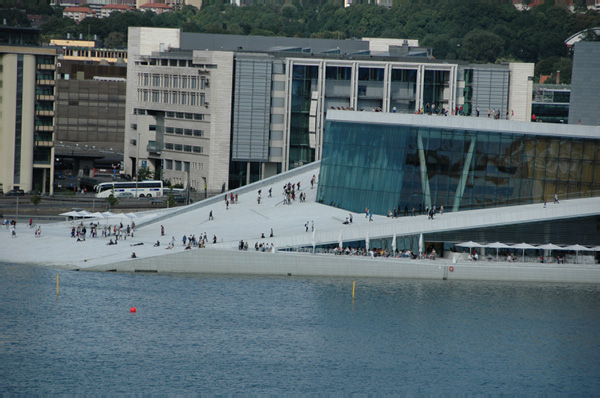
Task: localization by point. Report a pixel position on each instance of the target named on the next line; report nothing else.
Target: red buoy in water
(132, 309)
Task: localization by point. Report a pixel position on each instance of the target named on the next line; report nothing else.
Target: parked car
(15, 192)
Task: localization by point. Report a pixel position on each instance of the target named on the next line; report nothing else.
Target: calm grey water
(235, 334)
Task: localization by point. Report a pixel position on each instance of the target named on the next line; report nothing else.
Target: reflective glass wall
(305, 78)
(386, 167)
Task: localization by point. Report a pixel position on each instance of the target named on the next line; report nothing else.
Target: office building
(585, 84)
(228, 110)
(551, 103)
(388, 161)
(27, 96)
(391, 162)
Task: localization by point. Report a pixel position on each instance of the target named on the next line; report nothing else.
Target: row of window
(182, 131)
(172, 97)
(93, 53)
(179, 165)
(183, 148)
(172, 81)
(182, 63)
(173, 115)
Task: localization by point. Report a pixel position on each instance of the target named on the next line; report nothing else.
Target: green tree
(144, 173)
(116, 40)
(481, 46)
(170, 201)
(14, 17)
(36, 200)
(112, 201)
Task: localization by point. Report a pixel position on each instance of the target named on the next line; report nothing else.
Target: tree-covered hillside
(474, 31)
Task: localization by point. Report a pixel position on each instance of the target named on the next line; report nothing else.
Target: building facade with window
(262, 105)
(551, 103)
(27, 96)
(585, 84)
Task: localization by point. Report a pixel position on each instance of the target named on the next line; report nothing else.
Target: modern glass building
(551, 103)
(228, 110)
(394, 161)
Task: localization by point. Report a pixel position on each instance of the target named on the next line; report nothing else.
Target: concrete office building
(230, 110)
(27, 95)
(90, 117)
(585, 84)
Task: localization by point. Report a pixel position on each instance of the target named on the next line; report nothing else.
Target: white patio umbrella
(131, 215)
(595, 249)
(497, 246)
(523, 246)
(97, 215)
(577, 248)
(71, 213)
(394, 245)
(367, 241)
(340, 242)
(470, 244)
(421, 243)
(84, 213)
(108, 215)
(550, 247)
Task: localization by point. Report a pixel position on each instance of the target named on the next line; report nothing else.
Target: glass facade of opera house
(384, 166)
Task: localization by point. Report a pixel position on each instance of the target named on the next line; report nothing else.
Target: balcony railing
(43, 143)
(45, 82)
(44, 97)
(44, 112)
(154, 147)
(44, 128)
(46, 66)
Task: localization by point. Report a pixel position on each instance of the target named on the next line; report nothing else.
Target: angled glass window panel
(589, 149)
(539, 168)
(549, 191)
(493, 163)
(577, 149)
(573, 190)
(563, 170)
(549, 148)
(527, 167)
(587, 172)
(480, 162)
(575, 170)
(529, 146)
(565, 148)
(551, 168)
(541, 147)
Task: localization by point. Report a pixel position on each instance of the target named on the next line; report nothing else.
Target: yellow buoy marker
(57, 284)
(353, 287)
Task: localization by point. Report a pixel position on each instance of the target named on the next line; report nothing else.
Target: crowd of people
(439, 110)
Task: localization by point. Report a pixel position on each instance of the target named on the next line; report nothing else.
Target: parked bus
(142, 189)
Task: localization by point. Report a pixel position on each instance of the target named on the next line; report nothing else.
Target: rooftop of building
(247, 220)
(467, 123)
(79, 9)
(156, 5)
(118, 7)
